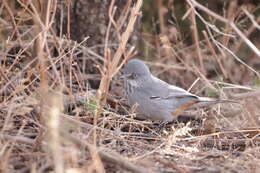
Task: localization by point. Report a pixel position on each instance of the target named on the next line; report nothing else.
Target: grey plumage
(154, 98)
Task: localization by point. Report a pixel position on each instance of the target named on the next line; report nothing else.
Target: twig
(112, 65)
(196, 40)
(247, 95)
(231, 14)
(247, 33)
(111, 68)
(161, 16)
(222, 19)
(173, 165)
(20, 139)
(229, 143)
(251, 17)
(214, 54)
(238, 59)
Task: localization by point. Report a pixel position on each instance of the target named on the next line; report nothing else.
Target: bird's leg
(161, 125)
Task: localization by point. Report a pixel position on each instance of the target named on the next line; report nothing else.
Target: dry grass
(51, 120)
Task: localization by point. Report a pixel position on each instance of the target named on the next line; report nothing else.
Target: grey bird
(156, 99)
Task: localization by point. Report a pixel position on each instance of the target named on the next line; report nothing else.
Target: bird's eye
(133, 76)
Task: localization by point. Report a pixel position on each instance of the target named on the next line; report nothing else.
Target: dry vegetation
(53, 120)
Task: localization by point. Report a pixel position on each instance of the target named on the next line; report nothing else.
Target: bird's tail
(206, 101)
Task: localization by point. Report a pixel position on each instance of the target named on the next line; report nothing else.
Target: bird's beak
(124, 76)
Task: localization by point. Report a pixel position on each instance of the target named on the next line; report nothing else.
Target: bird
(154, 98)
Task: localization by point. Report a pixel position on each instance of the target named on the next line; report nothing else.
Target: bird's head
(135, 71)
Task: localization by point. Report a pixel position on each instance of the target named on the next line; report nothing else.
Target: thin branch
(252, 18)
(232, 24)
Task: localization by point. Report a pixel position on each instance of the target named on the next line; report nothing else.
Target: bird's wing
(177, 92)
(159, 89)
(166, 91)
(177, 98)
